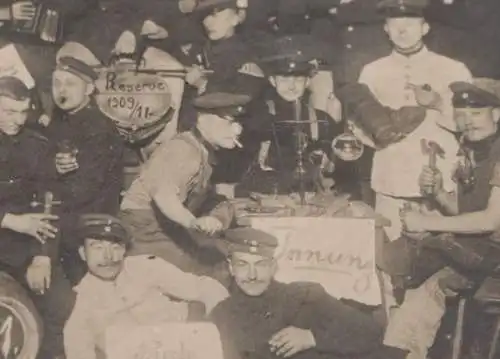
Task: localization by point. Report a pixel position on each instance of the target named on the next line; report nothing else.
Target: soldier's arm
(183, 285)
(78, 336)
(181, 163)
(448, 202)
(485, 221)
(341, 329)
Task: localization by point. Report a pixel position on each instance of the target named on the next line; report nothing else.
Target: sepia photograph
(249, 179)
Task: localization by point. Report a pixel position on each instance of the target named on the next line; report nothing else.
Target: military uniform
(227, 58)
(189, 181)
(394, 178)
(147, 291)
(27, 171)
(95, 186)
(477, 173)
(290, 56)
(247, 323)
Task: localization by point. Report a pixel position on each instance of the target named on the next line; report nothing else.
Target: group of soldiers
(383, 73)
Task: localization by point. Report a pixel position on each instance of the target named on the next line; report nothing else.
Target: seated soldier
(173, 194)
(263, 318)
(473, 216)
(290, 64)
(121, 290)
(88, 150)
(28, 248)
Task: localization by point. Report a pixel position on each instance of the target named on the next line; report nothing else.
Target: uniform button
(349, 46)
(350, 28)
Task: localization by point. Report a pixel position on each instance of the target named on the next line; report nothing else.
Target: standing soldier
(27, 169)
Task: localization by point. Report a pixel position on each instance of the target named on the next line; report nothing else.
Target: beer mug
(68, 149)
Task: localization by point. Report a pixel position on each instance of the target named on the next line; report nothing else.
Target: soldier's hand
(33, 224)
(413, 222)
(66, 163)
(291, 340)
(430, 181)
(426, 96)
(195, 76)
(209, 225)
(38, 274)
(23, 10)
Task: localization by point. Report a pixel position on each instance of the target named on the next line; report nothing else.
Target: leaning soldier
(28, 245)
(173, 196)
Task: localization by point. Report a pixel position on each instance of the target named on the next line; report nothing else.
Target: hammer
(433, 150)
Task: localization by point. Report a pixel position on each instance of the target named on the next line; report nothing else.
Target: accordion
(47, 25)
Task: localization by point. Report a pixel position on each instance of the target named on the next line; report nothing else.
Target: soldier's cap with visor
(247, 240)
(204, 8)
(102, 227)
(14, 88)
(402, 8)
(292, 55)
(467, 95)
(224, 98)
(77, 67)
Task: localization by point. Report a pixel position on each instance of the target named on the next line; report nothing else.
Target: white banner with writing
(13, 65)
(164, 341)
(338, 253)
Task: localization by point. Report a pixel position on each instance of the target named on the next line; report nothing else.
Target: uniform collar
(417, 56)
(482, 149)
(265, 297)
(212, 159)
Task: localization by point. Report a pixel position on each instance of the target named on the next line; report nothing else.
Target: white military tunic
(396, 168)
(140, 295)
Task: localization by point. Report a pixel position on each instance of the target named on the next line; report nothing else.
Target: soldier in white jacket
(121, 290)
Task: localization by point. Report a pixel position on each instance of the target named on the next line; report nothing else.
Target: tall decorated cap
(13, 88)
(77, 67)
(296, 54)
(473, 96)
(102, 226)
(403, 8)
(248, 240)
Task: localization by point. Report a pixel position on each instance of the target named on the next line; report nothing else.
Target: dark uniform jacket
(486, 171)
(95, 186)
(274, 125)
(246, 324)
(26, 170)
(225, 58)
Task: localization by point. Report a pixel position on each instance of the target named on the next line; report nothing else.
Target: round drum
(20, 325)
